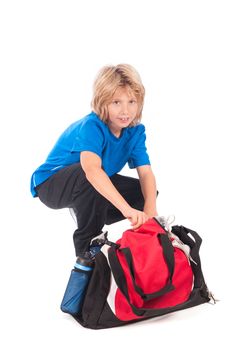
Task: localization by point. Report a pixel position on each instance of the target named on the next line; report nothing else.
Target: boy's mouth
(124, 119)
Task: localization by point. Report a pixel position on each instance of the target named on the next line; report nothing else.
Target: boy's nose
(125, 109)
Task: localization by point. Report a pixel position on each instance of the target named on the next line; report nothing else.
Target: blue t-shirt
(92, 134)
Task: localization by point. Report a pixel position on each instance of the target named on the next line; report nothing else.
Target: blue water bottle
(77, 285)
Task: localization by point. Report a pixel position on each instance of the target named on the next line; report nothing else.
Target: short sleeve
(90, 137)
(139, 155)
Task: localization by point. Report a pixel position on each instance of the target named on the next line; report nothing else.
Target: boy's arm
(149, 189)
(91, 164)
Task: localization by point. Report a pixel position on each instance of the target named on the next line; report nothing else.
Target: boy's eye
(116, 102)
(132, 101)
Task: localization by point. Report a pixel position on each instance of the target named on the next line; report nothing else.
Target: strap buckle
(104, 240)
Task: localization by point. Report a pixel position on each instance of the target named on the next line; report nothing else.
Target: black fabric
(69, 188)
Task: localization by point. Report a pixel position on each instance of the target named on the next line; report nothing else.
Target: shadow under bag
(149, 272)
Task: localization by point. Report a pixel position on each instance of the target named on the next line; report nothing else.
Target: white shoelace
(166, 221)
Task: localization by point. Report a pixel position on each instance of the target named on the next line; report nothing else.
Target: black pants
(69, 188)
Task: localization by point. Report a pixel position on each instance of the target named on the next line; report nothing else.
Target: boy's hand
(136, 217)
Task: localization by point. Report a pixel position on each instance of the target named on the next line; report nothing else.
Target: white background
(50, 54)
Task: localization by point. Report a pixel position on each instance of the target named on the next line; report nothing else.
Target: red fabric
(151, 272)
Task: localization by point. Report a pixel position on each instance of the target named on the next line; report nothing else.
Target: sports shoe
(166, 221)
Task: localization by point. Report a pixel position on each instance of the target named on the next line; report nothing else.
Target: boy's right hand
(136, 217)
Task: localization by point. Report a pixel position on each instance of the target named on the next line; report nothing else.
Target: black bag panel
(96, 313)
(97, 291)
(108, 319)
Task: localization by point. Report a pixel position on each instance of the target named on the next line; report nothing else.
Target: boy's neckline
(113, 135)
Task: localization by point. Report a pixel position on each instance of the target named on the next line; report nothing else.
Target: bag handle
(196, 297)
(184, 234)
(122, 285)
(168, 253)
(169, 258)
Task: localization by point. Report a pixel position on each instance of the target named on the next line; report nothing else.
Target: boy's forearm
(149, 190)
(101, 182)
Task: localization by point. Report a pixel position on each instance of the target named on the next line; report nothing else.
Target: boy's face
(122, 110)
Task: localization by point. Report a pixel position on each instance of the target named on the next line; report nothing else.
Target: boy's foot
(166, 221)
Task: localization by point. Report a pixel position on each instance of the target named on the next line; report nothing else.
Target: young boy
(81, 171)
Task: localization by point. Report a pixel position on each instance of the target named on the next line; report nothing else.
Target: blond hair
(106, 83)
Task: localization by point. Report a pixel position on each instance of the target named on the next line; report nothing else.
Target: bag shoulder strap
(193, 240)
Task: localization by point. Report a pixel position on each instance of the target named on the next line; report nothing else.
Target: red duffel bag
(148, 272)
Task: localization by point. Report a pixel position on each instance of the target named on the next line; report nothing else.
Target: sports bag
(149, 272)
